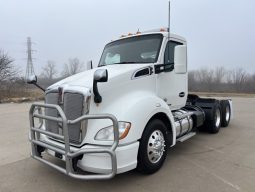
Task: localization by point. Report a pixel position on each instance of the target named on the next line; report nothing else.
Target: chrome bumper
(66, 151)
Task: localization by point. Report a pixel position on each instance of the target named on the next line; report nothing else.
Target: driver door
(172, 87)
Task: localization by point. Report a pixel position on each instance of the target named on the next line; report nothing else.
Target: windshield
(138, 49)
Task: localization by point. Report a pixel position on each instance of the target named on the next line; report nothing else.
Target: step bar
(186, 137)
(66, 151)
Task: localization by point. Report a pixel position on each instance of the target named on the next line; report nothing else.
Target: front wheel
(153, 147)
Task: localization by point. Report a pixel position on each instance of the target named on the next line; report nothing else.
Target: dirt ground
(211, 163)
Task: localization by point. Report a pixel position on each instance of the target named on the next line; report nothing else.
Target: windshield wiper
(125, 62)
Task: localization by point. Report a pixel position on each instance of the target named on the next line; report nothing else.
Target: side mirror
(100, 75)
(32, 79)
(180, 59)
(89, 65)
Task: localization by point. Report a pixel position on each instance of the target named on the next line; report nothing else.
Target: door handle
(181, 94)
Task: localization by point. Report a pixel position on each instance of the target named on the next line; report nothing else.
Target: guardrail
(66, 151)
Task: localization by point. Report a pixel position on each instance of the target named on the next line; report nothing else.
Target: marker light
(162, 30)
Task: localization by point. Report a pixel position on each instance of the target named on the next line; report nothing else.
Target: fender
(146, 108)
(137, 111)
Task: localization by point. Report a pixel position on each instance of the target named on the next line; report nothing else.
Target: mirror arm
(97, 96)
(39, 87)
(91, 65)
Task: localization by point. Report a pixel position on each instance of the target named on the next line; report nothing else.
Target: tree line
(218, 79)
(50, 72)
(13, 82)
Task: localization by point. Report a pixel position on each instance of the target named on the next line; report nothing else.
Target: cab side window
(169, 52)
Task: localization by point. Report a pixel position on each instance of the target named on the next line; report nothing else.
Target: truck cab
(126, 113)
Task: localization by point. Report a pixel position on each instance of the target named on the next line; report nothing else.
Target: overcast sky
(218, 32)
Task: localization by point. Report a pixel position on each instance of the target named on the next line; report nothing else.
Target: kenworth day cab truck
(124, 114)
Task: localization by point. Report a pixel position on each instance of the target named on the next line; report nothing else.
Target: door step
(186, 137)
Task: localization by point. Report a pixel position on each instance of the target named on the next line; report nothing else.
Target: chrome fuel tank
(183, 122)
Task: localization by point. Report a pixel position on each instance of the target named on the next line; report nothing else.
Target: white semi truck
(124, 114)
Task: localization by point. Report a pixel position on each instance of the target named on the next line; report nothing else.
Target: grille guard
(66, 151)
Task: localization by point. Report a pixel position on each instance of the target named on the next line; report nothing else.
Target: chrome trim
(84, 124)
(66, 151)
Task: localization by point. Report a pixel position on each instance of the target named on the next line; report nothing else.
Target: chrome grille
(73, 108)
(52, 126)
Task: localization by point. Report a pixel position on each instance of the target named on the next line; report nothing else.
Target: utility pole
(30, 67)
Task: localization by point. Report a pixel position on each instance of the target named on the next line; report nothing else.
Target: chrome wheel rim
(227, 113)
(156, 146)
(217, 117)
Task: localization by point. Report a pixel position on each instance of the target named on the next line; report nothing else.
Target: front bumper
(126, 156)
(101, 163)
(71, 156)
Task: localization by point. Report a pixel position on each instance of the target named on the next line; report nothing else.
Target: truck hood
(85, 79)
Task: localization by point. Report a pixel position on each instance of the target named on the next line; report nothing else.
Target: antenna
(169, 9)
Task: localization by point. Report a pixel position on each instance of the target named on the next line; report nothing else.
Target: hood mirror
(32, 79)
(100, 75)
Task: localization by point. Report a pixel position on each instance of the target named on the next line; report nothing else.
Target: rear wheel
(213, 125)
(153, 147)
(225, 113)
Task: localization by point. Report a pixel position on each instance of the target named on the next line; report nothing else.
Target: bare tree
(239, 78)
(229, 77)
(205, 77)
(73, 66)
(192, 80)
(49, 71)
(219, 74)
(7, 70)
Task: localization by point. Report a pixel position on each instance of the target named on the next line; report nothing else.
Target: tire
(213, 125)
(225, 113)
(150, 160)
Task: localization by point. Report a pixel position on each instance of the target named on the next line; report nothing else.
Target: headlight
(106, 133)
